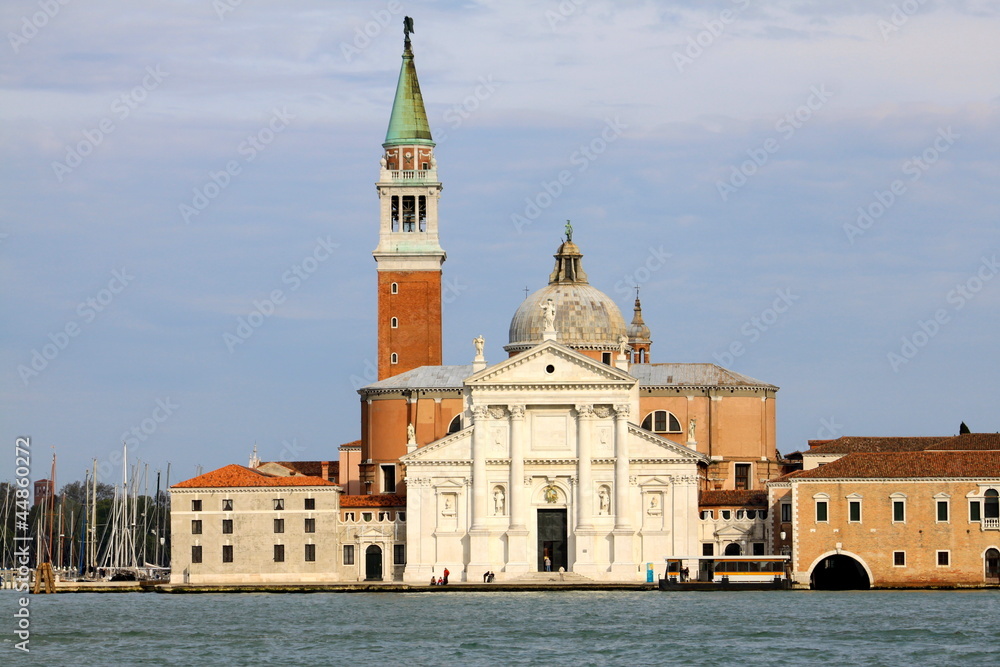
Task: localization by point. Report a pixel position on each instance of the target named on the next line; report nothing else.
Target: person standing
(446, 573)
(548, 564)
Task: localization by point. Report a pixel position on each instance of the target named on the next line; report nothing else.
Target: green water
(558, 628)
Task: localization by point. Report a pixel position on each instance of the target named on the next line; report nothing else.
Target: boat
(727, 573)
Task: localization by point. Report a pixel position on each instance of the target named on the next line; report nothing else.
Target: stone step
(550, 577)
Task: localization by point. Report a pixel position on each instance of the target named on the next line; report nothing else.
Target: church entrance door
(373, 563)
(552, 539)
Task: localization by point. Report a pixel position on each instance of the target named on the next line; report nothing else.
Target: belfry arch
(839, 572)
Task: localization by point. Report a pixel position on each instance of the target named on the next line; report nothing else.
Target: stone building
(917, 512)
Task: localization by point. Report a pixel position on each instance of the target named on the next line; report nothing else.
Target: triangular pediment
(644, 444)
(452, 447)
(551, 364)
(733, 531)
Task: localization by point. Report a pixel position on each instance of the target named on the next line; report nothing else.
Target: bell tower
(409, 256)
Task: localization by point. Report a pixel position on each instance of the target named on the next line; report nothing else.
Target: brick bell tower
(409, 255)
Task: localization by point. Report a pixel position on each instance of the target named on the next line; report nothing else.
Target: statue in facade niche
(498, 502)
(479, 342)
(692, 423)
(411, 434)
(605, 500)
(549, 315)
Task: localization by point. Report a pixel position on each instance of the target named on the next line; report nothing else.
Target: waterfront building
(576, 449)
(913, 512)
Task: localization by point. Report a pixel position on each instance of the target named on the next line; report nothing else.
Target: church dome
(585, 317)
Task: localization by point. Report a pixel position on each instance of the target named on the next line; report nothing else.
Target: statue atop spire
(407, 29)
(569, 231)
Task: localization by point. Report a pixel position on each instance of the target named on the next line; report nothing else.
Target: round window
(550, 369)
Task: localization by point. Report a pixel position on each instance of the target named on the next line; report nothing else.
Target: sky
(805, 192)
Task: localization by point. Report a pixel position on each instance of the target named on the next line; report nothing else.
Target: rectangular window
(310, 525)
(279, 504)
(707, 549)
(310, 503)
(399, 554)
(227, 553)
(786, 512)
(366, 516)
(310, 553)
(400, 516)
(195, 505)
(821, 511)
(975, 510)
(389, 479)
(279, 553)
(942, 511)
(348, 554)
(854, 511)
(196, 527)
(227, 504)
(758, 548)
(742, 476)
(606, 358)
(944, 558)
(898, 511)
(279, 525)
(196, 554)
(227, 526)
(899, 558)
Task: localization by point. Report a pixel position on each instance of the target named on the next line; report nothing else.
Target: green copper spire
(408, 122)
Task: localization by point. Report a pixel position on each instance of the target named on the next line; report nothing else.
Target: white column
(584, 489)
(517, 533)
(478, 533)
(623, 566)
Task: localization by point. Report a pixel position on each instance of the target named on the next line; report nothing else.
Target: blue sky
(834, 161)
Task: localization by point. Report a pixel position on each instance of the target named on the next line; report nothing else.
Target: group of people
(442, 580)
(488, 577)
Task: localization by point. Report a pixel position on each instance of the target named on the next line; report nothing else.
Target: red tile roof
(353, 443)
(310, 468)
(240, 476)
(898, 465)
(969, 441)
(850, 444)
(377, 500)
(731, 498)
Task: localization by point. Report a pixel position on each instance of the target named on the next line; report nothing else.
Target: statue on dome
(569, 231)
(479, 342)
(549, 315)
(622, 344)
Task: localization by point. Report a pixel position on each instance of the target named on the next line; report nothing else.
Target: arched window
(394, 323)
(456, 424)
(393, 358)
(991, 504)
(394, 288)
(661, 421)
(733, 549)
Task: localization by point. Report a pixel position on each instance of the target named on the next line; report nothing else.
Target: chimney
(326, 470)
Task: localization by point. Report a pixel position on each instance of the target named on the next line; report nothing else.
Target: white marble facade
(552, 439)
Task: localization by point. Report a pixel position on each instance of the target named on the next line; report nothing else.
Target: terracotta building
(915, 512)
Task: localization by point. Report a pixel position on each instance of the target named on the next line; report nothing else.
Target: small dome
(585, 317)
(638, 332)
